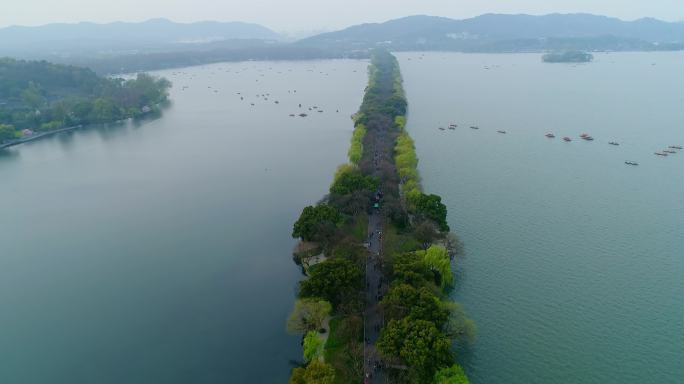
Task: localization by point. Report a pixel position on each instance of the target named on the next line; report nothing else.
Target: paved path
(375, 288)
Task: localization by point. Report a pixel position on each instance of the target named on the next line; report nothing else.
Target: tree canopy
(316, 222)
(308, 315)
(451, 375)
(431, 207)
(336, 280)
(419, 344)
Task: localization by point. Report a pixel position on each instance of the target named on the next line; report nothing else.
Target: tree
(437, 259)
(349, 179)
(315, 222)
(317, 372)
(410, 268)
(419, 344)
(459, 325)
(431, 207)
(6, 132)
(312, 345)
(335, 280)
(308, 315)
(451, 375)
(420, 304)
(425, 232)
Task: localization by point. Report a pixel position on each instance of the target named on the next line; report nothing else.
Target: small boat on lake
(303, 115)
(614, 143)
(474, 127)
(453, 125)
(675, 147)
(550, 135)
(588, 138)
(661, 153)
(500, 131)
(441, 128)
(631, 163)
(452, 128)
(584, 135)
(669, 151)
(567, 139)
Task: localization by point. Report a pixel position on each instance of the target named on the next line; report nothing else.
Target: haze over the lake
(311, 15)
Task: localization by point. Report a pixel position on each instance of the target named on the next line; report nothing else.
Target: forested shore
(38, 98)
(420, 324)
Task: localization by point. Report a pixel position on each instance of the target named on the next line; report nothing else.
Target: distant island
(568, 57)
(38, 98)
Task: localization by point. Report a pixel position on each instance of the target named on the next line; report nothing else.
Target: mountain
(88, 39)
(496, 32)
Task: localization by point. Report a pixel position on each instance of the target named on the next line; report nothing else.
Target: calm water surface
(160, 252)
(574, 262)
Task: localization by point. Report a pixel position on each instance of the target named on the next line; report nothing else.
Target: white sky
(301, 15)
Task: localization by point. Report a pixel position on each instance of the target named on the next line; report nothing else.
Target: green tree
(431, 207)
(315, 222)
(308, 315)
(451, 375)
(419, 344)
(6, 132)
(335, 280)
(317, 372)
(312, 345)
(437, 259)
(350, 179)
(420, 304)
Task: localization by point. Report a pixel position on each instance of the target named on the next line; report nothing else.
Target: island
(38, 98)
(377, 256)
(568, 57)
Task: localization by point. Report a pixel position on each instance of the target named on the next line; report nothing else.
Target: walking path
(375, 289)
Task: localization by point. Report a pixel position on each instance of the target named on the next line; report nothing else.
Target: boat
(303, 115)
(441, 128)
(676, 147)
(567, 139)
(661, 153)
(453, 125)
(584, 135)
(452, 128)
(550, 135)
(669, 151)
(501, 131)
(614, 143)
(588, 138)
(631, 163)
(474, 127)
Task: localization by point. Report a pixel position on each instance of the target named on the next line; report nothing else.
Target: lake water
(573, 264)
(160, 251)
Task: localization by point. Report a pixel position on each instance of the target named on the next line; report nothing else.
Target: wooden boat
(504, 132)
(661, 153)
(631, 163)
(614, 143)
(474, 127)
(567, 139)
(675, 147)
(550, 135)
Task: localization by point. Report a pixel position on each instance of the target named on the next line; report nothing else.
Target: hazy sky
(299, 15)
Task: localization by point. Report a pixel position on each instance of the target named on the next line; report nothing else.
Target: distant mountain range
(503, 33)
(88, 39)
(160, 43)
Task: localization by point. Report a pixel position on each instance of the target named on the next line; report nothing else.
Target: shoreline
(39, 136)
